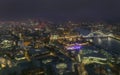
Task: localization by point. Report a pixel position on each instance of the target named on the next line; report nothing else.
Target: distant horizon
(59, 10)
(58, 21)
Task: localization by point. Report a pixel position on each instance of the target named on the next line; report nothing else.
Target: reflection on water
(110, 44)
(99, 40)
(109, 41)
(103, 41)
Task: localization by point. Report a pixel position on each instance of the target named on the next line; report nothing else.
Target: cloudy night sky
(58, 10)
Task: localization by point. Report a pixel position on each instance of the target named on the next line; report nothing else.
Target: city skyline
(59, 37)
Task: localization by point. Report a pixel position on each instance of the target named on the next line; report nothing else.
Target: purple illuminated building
(74, 47)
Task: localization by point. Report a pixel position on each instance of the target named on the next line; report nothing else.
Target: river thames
(111, 45)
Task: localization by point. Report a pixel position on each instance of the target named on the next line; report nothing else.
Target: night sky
(59, 10)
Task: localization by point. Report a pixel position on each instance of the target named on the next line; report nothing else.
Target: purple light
(74, 47)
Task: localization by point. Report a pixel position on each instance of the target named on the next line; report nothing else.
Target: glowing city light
(74, 47)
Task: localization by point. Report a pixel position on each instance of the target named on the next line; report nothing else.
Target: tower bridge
(99, 34)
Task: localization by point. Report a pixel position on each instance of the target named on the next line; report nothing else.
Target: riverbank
(115, 37)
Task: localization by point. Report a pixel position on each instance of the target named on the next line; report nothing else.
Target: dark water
(110, 44)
